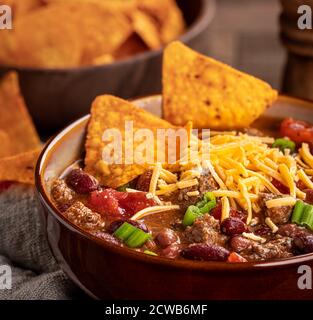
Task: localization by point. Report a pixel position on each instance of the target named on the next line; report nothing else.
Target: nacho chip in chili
(19, 168)
(209, 93)
(18, 132)
(109, 115)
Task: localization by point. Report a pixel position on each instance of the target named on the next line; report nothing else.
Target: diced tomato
(235, 257)
(309, 196)
(282, 188)
(296, 130)
(4, 185)
(119, 204)
(217, 212)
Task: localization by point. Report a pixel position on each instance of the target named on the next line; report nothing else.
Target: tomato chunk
(296, 130)
(119, 204)
(235, 257)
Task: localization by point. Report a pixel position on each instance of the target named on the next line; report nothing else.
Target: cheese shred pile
(242, 166)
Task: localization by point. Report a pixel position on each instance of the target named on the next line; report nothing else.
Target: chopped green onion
(132, 236)
(303, 214)
(209, 196)
(137, 239)
(297, 212)
(123, 188)
(208, 207)
(150, 253)
(191, 215)
(283, 144)
(307, 217)
(201, 203)
(124, 231)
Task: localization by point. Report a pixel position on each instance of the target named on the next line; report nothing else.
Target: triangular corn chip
(210, 93)
(17, 131)
(111, 113)
(19, 168)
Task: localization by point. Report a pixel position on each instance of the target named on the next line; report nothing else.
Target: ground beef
(62, 194)
(84, 218)
(106, 237)
(292, 230)
(205, 229)
(277, 248)
(180, 197)
(278, 215)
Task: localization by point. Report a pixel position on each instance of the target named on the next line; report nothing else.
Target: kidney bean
(239, 244)
(166, 237)
(232, 226)
(263, 230)
(81, 182)
(205, 252)
(304, 243)
(117, 223)
(143, 182)
(172, 251)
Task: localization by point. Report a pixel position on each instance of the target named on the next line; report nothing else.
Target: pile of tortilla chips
(19, 143)
(71, 33)
(198, 92)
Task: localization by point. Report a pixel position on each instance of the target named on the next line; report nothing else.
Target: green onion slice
(303, 214)
(192, 213)
(209, 196)
(208, 207)
(150, 253)
(283, 144)
(137, 239)
(124, 231)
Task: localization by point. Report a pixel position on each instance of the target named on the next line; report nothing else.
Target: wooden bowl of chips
(56, 96)
(107, 271)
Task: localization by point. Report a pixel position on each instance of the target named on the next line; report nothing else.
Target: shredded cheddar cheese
(280, 202)
(253, 237)
(225, 208)
(150, 210)
(155, 176)
(271, 224)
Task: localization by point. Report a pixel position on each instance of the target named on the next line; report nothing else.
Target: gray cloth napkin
(24, 248)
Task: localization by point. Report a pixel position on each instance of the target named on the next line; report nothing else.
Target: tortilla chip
(109, 112)
(19, 168)
(6, 145)
(147, 29)
(132, 46)
(22, 7)
(15, 122)
(168, 16)
(210, 93)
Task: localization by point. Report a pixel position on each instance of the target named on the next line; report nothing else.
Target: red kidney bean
(232, 226)
(143, 182)
(239, 244)
(205, 252)
(117, 223)
(304, 243)
(172, 251)
(166, 237)
(81, 182)
(309, 196)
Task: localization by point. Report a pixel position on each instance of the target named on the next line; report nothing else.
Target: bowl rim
(138, 256)
(205, 17)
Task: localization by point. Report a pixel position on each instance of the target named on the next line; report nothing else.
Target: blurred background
(245, 34)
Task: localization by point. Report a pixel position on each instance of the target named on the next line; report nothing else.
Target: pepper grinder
(297, 37)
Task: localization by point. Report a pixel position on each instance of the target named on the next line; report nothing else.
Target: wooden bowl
(107, 271)
(55, 97)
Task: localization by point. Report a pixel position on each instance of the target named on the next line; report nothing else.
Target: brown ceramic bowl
(107, 271)
(55, 97)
